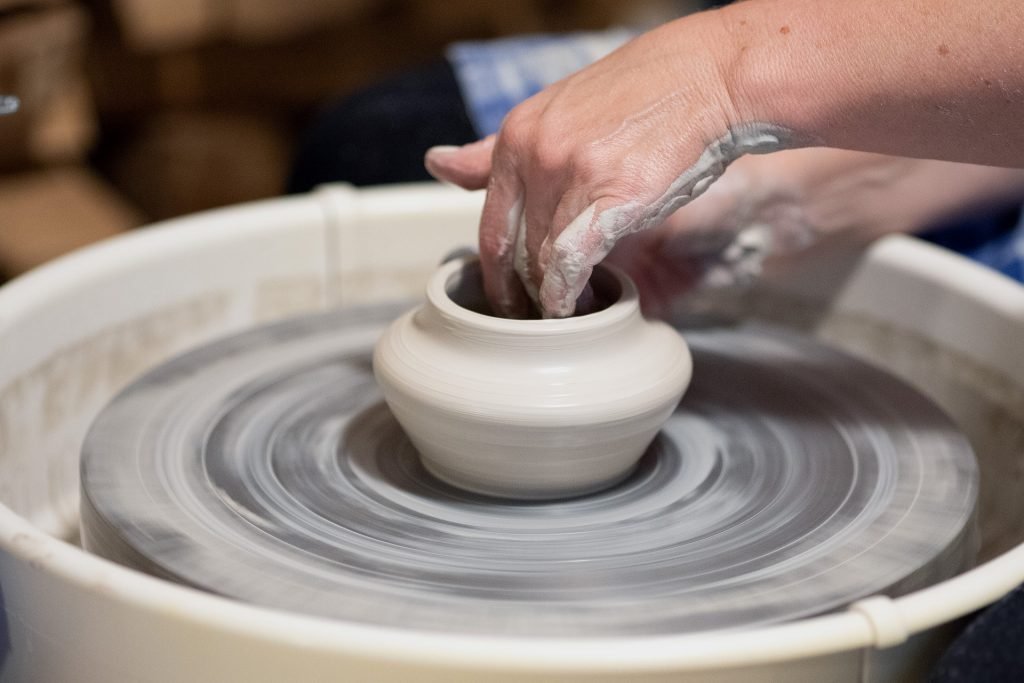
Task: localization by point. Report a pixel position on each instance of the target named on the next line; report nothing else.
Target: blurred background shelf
(137, 110)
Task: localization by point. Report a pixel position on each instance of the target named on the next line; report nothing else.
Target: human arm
(619, 146)
(774, 205)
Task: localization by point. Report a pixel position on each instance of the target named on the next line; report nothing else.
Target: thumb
(468, 166)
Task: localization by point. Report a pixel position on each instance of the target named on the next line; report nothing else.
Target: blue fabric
(496, 75)
(995, 239)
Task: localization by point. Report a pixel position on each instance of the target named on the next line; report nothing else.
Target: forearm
(619, 146)
(937, 79)
(869, 194)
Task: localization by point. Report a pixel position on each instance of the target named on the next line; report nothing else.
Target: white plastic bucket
(75, 331)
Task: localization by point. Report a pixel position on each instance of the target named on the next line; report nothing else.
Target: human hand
(770, 206)
(619, 146)
(612, 150)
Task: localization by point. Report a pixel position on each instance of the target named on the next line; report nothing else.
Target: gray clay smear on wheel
(791, 480)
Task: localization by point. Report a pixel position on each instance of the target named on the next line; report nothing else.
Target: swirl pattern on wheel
(791, 480)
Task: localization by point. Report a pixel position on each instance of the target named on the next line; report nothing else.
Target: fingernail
(442, 150)
(434, 160)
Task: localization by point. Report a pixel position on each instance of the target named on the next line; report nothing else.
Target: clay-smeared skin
(774, 205)
(791, 480)
(588, 238)
(614, 148)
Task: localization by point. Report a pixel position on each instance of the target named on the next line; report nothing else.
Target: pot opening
(466, 289)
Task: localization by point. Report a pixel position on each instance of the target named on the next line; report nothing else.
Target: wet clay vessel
(530, 409)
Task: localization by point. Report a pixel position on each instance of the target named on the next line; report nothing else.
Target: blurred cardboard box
(41, 61)
(44, 214)
(155, 25)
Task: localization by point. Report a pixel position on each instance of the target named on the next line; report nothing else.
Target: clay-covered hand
(774, 205)
(609, 151)
(622, 144)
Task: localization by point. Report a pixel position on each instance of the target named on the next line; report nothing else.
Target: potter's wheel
(791, 480)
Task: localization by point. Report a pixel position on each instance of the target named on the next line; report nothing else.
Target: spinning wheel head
(791, 480)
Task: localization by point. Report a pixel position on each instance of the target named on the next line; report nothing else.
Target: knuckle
(611, 193)
(517, 130)
(590, 162)
(549, 155)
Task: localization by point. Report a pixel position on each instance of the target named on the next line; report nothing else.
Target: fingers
(569, 255)
(500, 226)
(472, 167)
(521, 260)
(539, 206)
(468, 166)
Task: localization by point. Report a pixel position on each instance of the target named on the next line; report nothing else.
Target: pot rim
(625, 306)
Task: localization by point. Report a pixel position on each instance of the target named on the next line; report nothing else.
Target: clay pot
(530, 408)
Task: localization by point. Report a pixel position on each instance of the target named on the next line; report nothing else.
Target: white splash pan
(74, 332)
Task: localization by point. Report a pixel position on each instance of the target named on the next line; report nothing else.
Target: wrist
(774, 72)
